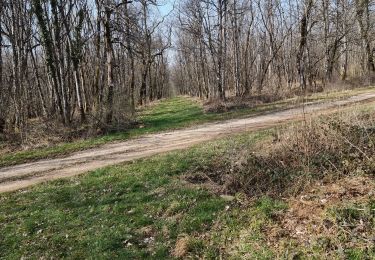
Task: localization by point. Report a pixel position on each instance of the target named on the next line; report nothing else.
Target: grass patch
(239, 233)
(166, 115)
(132, 211)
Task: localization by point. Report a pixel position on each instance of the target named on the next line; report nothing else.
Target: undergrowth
(325, 148)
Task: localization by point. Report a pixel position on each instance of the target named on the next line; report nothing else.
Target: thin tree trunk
(109, 54)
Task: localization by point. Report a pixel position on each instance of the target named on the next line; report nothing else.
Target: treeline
(242, 47)
(94, 61)
(80, 60)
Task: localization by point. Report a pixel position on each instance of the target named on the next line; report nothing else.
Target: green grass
(169, 114)
(175, 113)
(133, 211)
(240, 230)
(139, 210)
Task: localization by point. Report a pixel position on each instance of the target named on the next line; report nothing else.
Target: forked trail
(25, 175)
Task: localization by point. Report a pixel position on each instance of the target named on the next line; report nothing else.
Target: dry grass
(289, 97)
(233, 103)
(321, 149)
(322, 171)
(335, 214)
(181, 248)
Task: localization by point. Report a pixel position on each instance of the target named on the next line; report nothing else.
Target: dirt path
(25, 175)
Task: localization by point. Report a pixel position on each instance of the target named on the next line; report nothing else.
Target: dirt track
(25, 175)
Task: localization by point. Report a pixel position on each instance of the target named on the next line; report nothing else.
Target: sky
(166, 6)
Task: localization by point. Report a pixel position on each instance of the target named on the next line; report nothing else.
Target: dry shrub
(253, 100)
(45, 132)
(322, 149)
(234, 103)
(359, 81)
(38, 132)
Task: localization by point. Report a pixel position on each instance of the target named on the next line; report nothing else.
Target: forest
(187, 129)
(81, 62)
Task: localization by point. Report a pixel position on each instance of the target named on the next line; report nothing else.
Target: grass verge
(131, 211)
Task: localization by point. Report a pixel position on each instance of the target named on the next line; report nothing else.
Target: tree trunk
(301, 66)
(109, 54)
